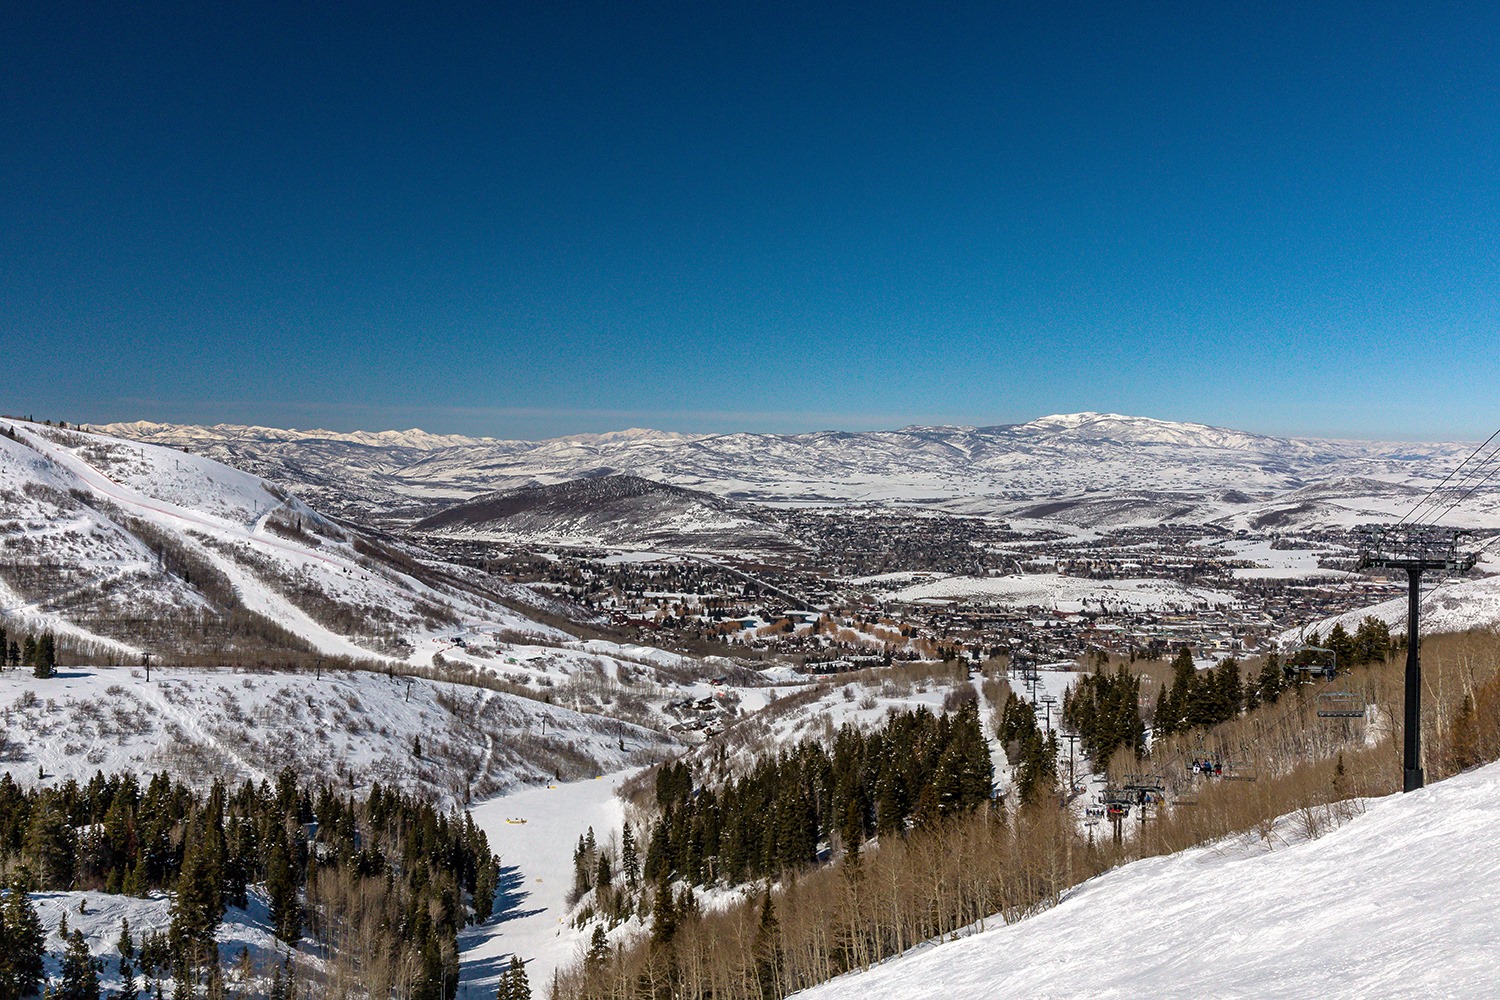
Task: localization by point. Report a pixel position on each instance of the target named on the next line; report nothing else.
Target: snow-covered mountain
(124, 547)
(1103, 469)
(1399, 902)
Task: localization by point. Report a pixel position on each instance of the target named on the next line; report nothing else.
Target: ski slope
(1403, 901)
(536, 873)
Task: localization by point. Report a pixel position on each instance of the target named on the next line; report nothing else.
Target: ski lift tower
(1415, 549)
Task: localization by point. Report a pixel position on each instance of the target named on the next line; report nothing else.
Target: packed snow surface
(1403, 901)
(535, 831)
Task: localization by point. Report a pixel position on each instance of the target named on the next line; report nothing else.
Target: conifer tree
(126, 947)
(50, 844)
(629, 863)
(45, 663)
(22, 941)
(1269, 683)
(598, 954)
(80, 971)
(281, 887)
(768, 950)
(520, 988)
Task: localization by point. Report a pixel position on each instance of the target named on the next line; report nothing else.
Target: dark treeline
(914, 769)
(919, 781)
(1200, 699)
(1032, 750)
(1105, 710)
(382, 884)
(39, 653)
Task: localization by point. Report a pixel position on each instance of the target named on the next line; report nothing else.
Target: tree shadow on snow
(478, 975)
(510, 893)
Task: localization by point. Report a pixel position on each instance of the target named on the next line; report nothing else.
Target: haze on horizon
(525, 222)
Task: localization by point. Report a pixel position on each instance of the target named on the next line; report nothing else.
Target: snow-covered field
(1062, 593)
(1403, 901)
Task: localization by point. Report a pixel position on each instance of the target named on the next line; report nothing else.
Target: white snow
(536, 874)
(199, 724)
(1403, 901)
(1063, 593)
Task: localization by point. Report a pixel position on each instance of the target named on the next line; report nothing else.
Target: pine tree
(598, 954)
(126, 947)
(1172, 706)
(1271, 680)
(281, 887)
(520, 988)
(768, 951)
(80, 971)
(24, 941)
(50, 844)
(46, 656)
(664, 917)
(629, 863)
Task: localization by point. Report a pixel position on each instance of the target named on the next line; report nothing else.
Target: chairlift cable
(1450, 475)
(1471, 490)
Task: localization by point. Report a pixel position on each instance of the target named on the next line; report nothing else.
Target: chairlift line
(1454, 472)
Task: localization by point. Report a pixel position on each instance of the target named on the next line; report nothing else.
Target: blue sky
(538, 219)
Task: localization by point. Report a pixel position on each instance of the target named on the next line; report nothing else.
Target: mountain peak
(1120, 427)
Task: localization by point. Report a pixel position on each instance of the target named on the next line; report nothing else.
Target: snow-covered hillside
(121, 545)
(456, 741)
(244, 934)
(1092, 468)
(616, 511)
(1403, 901)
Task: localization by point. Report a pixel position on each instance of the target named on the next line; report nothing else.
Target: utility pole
(1415, 550)
(146, 658)
(1048, 701)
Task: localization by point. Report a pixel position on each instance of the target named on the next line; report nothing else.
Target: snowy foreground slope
(1403, 901)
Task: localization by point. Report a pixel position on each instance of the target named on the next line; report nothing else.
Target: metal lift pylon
(1415, 550)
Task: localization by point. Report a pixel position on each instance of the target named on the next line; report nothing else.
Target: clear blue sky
(535, 219)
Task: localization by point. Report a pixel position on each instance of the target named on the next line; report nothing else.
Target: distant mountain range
(1086, 469)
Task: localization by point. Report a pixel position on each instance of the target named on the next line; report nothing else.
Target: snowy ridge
(619, 511)
(1403, 901)
(1109, 468)
(77, 500)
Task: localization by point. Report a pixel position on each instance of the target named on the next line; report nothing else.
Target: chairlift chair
(1323, 661)
(1239, 771)
(1341, 705)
